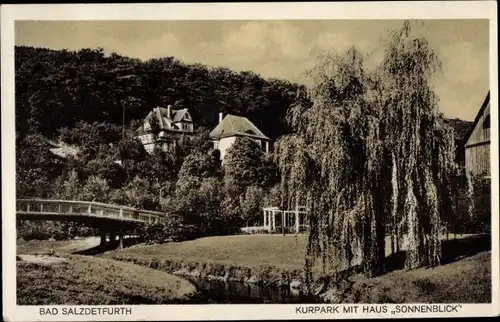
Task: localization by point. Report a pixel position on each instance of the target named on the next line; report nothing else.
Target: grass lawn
(85, 280)
(465, 281)
(244, 250)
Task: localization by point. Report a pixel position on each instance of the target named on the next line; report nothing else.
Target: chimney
(221, 116)
(169, 111)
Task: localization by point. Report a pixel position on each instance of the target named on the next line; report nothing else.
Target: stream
(219, 292)
(225, 292)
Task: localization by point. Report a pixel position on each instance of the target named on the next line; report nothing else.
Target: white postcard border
(224, 11)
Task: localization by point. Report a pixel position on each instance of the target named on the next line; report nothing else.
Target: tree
(370, 151)
(132, 155)
(95, 189)
(199, 164)
(200, 141)
(242, 163)
(251, 204)
(158, 167)
(104, 165)
(130, 149)
(91, 135)
(139, 194)
(209, 214)
(36, 167)
(198, 193)
(231, 213)
(273, 196)
(269, 172)
(248, 174)
(68, 188)
(423, 158)
(480, 210)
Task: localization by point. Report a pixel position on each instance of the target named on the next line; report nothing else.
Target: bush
(172, 229)
(254, 230)
(466, 198)
(481, 214)
(43, 230)
(188, 232)
(154, 234)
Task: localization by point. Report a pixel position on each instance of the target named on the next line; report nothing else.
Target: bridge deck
(43, 209)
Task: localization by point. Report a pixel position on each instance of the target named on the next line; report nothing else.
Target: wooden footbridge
(112, 219)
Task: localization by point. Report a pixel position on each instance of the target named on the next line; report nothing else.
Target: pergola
(285, 219)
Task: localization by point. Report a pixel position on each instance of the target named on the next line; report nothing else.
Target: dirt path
(68, 246)
(42, 260)
(76, 245)
(61, 246)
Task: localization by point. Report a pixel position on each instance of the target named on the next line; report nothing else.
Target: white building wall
(185, 126)
(149, 148)
(146, 139)
(225, 144)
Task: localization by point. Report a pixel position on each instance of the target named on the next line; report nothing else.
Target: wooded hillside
(57, 88)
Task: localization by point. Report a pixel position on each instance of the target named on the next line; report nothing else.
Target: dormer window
(250, 132)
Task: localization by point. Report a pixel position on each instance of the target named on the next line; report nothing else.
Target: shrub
(172, 229)
(254, 230)
(43, 230)
(481, 214)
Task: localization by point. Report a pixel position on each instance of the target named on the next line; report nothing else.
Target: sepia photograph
(293, 161)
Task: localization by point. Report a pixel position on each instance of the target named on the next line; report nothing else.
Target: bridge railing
(91, 209)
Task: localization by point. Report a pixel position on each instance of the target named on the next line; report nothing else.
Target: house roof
(179, 115)
(478, 117)
(140, 131)
(165, 122)
(233, 125)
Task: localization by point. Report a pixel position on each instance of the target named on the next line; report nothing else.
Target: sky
(282, 49)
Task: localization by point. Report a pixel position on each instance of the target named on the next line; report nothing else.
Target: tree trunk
(392, 242)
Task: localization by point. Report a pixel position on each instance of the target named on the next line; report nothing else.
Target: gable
(164, 121)
(480, 130)
(181, 116)
(233, 125)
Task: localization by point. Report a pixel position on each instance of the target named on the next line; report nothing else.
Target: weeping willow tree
(421, 146)
(370, 154)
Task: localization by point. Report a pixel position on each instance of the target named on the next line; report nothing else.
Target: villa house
(477, 142)
(163, 127)
(230, 127)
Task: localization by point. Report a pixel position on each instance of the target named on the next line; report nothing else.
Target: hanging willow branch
(371, 150)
